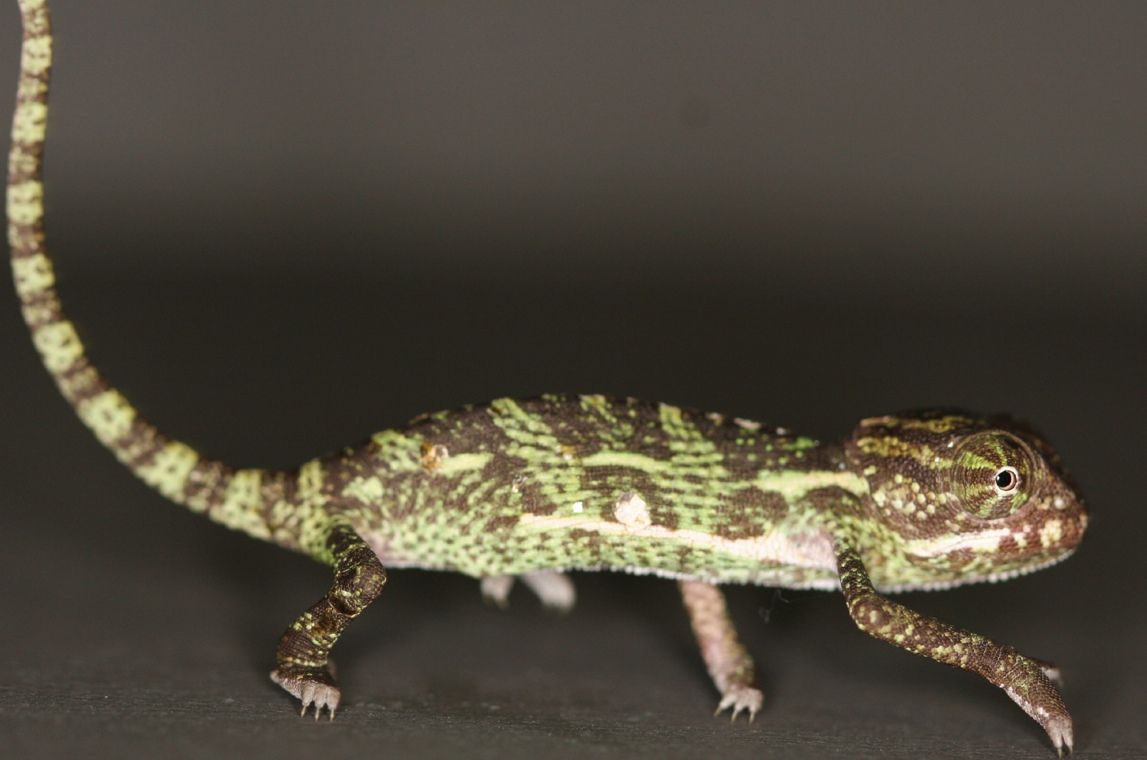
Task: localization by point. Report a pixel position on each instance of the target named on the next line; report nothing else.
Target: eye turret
(992, 474)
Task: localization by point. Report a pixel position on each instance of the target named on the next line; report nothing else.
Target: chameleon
(531, 489)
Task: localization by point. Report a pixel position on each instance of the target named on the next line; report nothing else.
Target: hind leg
(555, 590)
(303, 657)
(729, 664)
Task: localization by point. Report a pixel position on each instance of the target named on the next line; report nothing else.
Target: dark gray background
(281, 226)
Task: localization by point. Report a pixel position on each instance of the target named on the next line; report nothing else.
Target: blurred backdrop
(282, 226)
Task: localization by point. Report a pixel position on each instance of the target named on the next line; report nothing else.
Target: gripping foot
(741, 699)
(314, 687)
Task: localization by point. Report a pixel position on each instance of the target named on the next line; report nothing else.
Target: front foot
(1057, 723)
(741, 699)
(1030, 685)
(1059, 731)
(311, 686)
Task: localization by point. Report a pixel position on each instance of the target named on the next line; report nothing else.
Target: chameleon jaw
(896, 588)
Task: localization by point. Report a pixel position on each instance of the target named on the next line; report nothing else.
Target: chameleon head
(955, 498)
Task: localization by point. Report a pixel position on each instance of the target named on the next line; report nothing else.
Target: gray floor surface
(133, 628)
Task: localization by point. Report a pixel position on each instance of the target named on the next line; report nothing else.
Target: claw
(1060, 733)
(313, 690)
(307, 695)
(741, 699)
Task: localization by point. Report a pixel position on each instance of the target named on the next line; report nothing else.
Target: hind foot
(314, 687)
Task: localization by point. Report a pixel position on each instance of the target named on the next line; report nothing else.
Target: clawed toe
(741, 699)
(313, 688)
(1059, 731)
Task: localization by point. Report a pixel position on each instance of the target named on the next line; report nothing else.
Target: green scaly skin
(530, 488)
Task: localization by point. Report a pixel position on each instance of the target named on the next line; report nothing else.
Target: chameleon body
(533, 488)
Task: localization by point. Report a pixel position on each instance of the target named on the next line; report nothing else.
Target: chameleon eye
(1007, 479)
(990, 474)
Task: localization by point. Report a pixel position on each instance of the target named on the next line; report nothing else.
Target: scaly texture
(729, 664)
(532, 488)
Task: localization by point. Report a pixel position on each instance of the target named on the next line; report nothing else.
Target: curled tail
(243, 499)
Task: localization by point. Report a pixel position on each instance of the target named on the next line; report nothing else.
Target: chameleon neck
(230, 496)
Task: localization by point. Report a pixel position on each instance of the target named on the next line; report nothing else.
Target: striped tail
(243, 499)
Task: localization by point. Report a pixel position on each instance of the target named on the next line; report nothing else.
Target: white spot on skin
(1059, 502)
(1051, 533)
(632, 511)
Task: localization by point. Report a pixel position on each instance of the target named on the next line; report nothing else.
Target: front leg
(1023, 679)
(729, 664)
(303, 657)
